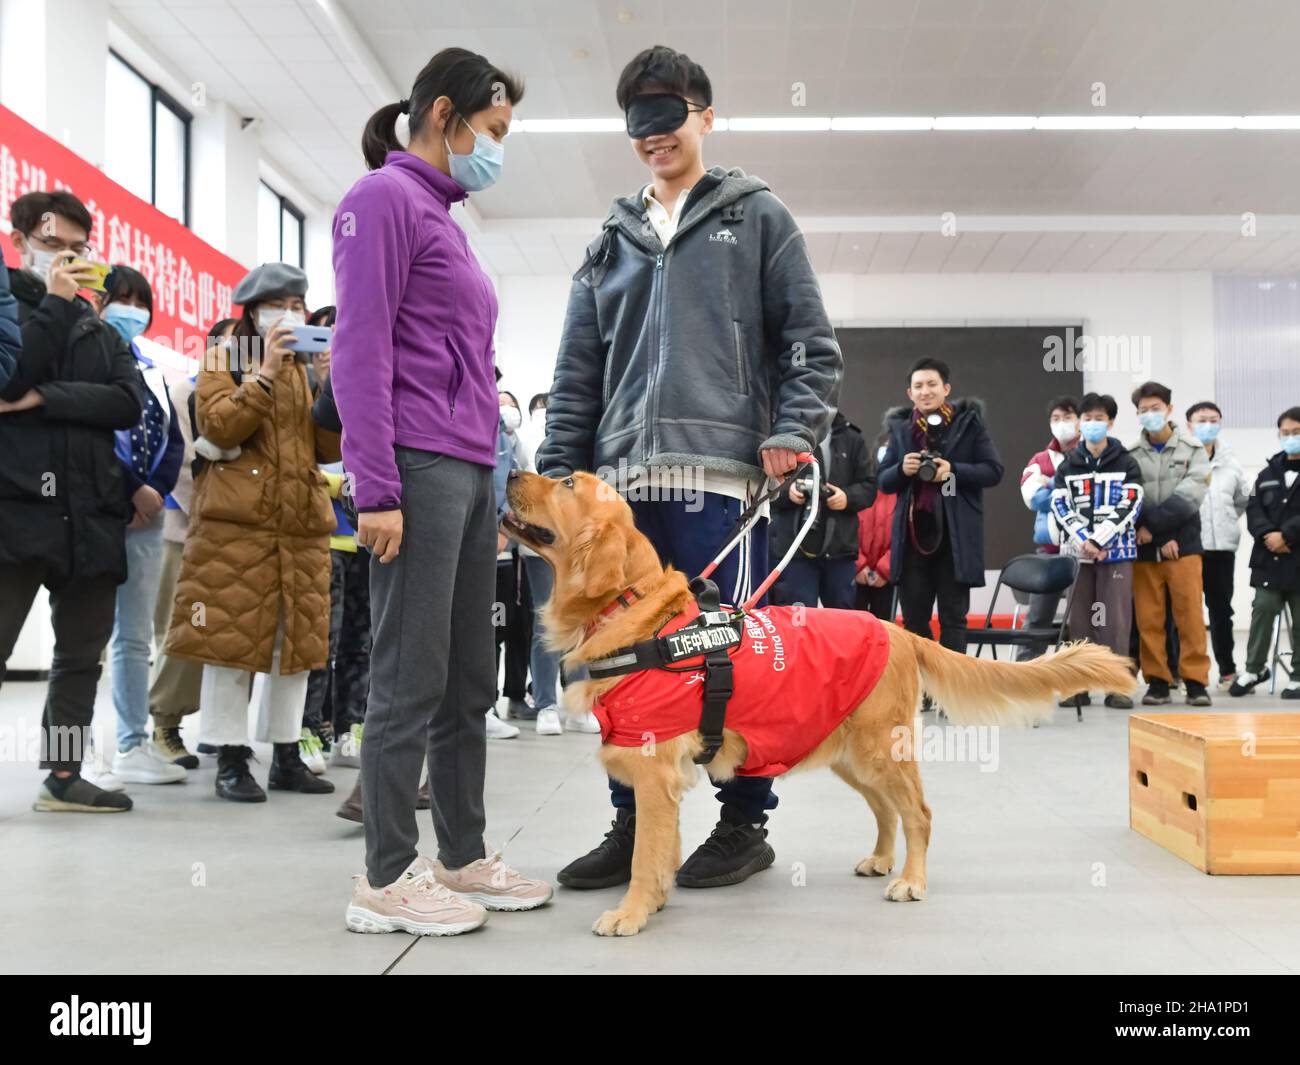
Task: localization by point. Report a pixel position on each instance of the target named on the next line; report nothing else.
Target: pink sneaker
(415, 902)
(491, 883)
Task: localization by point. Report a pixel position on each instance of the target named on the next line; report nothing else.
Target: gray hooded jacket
(699, 354)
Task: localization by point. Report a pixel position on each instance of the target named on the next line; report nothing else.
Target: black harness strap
(717, 677)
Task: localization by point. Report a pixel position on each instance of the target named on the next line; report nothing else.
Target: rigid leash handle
(747, 520)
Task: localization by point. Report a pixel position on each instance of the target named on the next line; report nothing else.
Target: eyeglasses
(78, 248)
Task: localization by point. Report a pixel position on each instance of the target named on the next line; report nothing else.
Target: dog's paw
(619, 923)
(901, 890)
(874, 865)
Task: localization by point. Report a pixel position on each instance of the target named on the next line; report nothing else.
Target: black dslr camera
(934, 433)
(804, 485)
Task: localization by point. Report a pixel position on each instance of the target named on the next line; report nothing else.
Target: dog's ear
(600, 554)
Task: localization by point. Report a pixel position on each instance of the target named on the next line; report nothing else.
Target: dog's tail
(981, 691)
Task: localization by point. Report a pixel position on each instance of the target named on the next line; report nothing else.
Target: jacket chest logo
(723, 236)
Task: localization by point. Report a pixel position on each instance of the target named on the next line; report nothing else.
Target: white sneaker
(347, 752)
(498, 729)
(582, 722)
(311, 751)
(548, 722)
(144, 765)
(101, 778)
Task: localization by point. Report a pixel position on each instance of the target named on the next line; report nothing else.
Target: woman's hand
(275, 349)
(381, 532)
(147, 502)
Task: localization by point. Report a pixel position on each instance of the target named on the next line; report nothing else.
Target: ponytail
(380, 136)
(469, 80)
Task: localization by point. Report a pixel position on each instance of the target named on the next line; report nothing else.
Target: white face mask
(539, 415)
(39, 262)
(881, 452)
(511, 418)
(1065, 431)
(269, 317)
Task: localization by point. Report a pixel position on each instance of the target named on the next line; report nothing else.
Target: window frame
(160, 96)
(288, 205)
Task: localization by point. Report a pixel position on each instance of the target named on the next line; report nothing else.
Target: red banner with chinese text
(192, 281)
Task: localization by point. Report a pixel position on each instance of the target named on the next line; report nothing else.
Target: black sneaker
(734, 851)
(1076, 700)
(1119, 702)
(75, 795)
(1157, 693)
(234, 781)
(290, 773)
(1245, 682)
(610, 864)
(207, 748)
(1197, 695)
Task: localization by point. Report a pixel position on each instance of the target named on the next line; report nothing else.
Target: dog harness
(784, 678)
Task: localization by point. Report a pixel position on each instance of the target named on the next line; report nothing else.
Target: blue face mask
(1290, 444)
(481, 168)
(127, 320)
(1206, 432)
(1154, 420)
(1093, 431)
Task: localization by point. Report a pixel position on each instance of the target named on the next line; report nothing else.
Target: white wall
(1173, 312)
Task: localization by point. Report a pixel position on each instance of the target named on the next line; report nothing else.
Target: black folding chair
(1030, 575)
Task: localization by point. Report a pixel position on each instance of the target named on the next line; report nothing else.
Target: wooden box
(1221, 791)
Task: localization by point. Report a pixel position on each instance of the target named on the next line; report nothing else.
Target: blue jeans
(688, 539)
(131, 642)
(544, 664)
(806, 580)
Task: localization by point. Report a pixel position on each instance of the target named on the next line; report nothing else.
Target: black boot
(290, 773)
(610, 863)
(234, 781)
(734, 852)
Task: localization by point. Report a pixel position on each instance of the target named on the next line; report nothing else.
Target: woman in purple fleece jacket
(413, 366)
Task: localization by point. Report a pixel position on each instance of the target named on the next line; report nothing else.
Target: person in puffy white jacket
(1221, 511)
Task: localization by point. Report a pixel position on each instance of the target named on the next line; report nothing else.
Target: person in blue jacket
(11, 339)
(150, 453)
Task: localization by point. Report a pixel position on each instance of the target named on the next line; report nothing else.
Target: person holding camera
(824, 566)
(63, 502)
(939, 461)
(253, 594)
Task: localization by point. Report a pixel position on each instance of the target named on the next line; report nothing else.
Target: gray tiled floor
(1032, 868)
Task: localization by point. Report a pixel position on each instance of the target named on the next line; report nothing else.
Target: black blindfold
(652, 113)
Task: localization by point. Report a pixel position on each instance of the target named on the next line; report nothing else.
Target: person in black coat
(63, 501)
(825, 563)
(1273, 519)
(939, 461)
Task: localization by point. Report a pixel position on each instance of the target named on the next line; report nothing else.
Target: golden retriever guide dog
(584, 529)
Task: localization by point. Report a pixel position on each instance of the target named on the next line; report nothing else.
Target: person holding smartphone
(413, 378)
(63, 501)
(253, 593)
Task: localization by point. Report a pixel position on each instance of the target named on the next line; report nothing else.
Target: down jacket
(258, 542)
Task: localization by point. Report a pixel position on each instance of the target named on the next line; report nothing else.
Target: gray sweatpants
(1102, 607)
(431, 667)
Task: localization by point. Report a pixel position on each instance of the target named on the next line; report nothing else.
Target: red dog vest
(798, 673)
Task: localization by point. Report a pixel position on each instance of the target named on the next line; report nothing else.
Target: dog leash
(750, 516)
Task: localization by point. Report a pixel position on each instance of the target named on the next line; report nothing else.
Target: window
(147, 140)
(279, 228)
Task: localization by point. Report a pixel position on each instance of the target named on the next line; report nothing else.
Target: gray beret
(270, 281)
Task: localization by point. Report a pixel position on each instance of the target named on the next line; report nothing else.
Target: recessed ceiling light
(624, 16)
(581, 53)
